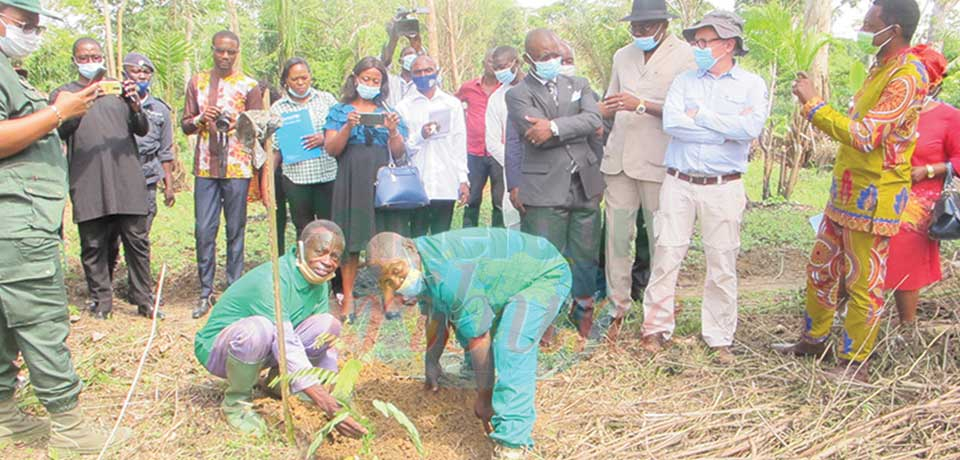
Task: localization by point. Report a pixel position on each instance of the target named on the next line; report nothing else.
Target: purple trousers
(254, 339)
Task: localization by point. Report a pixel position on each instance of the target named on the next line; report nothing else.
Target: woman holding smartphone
(361, 149)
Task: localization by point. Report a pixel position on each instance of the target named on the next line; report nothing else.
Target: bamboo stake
(267, 175)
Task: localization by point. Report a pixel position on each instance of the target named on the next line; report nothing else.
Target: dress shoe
(800, 348)
(724, 355)
(203, 307)
(653, 343)
(147, 312)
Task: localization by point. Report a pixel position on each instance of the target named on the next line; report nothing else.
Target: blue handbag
(399, 187)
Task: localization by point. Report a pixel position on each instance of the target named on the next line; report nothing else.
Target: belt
(703, 180)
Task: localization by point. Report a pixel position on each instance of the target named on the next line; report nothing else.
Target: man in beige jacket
(633, 158)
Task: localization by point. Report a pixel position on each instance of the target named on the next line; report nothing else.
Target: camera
(406, 24)
(223, 121)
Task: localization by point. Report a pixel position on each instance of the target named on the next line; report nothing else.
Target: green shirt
(252, 295)
(33, 183)
(471, 274)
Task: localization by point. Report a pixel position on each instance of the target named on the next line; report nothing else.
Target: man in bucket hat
(713, 114)
(33, 300)
(632, 163)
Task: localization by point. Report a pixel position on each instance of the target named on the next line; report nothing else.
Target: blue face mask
(90, 69)
(412, 285)
(549, 69)
(647, 43)
(407, 61)
(704, 58)
(368, 92)
(143, 87)
(505, 76)
(426, 82)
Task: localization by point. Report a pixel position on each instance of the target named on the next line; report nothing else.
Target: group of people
(665, 146)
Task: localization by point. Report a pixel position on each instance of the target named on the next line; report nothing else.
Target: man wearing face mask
(506, 67)
(871, 188)
(560, 183)
(33, 312)
(633, 158)
(107, 186)
(712, 114)
(458, 277)
(402, 84)
(239, 339)
(437, 146)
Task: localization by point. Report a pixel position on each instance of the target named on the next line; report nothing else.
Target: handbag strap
(390, 161)
(948, 182)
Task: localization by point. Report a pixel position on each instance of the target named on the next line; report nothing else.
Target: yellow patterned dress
(870, 189)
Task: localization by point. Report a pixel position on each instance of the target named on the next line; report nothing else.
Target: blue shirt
(337, 117)
(731, 111)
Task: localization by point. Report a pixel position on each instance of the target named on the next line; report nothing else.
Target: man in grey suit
(560, 188)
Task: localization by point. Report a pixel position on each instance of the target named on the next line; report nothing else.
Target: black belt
(703, 180)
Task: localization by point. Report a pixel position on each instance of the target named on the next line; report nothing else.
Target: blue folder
(290, 135)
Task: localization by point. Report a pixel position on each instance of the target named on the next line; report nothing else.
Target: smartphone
(372, 119)
(407, 27)
(111, 88)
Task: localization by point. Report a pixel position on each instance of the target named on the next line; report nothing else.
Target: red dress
(914, 260)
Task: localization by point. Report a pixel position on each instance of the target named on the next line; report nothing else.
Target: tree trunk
(108, 39)
(452, 44)
(120, 12)
(817, 23)
(767, 138)
(235, 28)
(287, 34)
(938, 21)
(433, 37)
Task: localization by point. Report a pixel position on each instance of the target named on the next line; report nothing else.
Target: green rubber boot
(15, 426)
(237, 400)
(72, 437)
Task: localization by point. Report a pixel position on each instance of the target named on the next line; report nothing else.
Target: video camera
(405, 23)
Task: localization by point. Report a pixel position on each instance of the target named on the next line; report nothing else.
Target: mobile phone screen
(372, 119)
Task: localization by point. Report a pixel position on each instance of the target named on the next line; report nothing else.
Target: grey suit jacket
(547, 169)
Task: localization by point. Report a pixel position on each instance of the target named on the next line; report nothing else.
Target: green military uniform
(33, 300)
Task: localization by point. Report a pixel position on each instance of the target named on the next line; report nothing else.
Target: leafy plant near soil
(344, 383)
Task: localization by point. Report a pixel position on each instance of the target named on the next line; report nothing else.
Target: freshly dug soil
(445, 420)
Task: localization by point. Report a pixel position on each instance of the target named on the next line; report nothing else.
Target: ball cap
(32, 6)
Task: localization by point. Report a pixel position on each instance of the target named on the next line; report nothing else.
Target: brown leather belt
(703, 180)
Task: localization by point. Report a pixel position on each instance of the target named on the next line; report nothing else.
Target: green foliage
(389, 410)
(325, 431)
(346, 380)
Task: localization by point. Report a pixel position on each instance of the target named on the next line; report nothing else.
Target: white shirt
(496, 123)
(441, 159)
(399, 89)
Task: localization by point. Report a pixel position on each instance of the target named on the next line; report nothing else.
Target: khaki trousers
(720, 211)
(624, 196)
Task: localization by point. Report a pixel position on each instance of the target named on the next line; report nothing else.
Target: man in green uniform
(33, 300)
(240, 338)
(500, 290)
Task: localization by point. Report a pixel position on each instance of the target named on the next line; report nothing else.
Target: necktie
(552, 89)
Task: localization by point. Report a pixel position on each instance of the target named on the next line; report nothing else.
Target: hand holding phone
(372, 119)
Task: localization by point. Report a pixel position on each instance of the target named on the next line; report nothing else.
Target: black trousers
(308, 202)
(281, 199)
(479, 169)
(211, 198)
(115, 238)
(575, 230)
(433, 219)
(96, 238)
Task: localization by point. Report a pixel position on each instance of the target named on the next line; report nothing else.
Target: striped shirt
(316, 170)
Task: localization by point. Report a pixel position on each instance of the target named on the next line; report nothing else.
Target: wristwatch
(930, 172)
(641, 107)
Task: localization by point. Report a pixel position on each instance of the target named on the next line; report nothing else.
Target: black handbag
(945, 223)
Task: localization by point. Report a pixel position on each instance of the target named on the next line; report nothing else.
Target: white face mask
(16, 44)
(568, 70)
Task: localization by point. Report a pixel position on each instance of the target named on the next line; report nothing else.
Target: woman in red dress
(914, 260)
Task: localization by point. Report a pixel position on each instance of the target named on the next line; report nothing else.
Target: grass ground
(606, 402)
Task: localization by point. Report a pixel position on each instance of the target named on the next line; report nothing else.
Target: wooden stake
(267, 175)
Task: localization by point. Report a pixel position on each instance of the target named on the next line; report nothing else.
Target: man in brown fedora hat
(633, 158)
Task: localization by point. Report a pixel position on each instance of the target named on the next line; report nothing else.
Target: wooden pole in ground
(266, 174)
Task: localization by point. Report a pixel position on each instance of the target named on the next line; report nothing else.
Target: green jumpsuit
(510, 284)
(33, 300)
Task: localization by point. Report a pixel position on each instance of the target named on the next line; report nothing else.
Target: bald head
(539, 41)
(86, 43)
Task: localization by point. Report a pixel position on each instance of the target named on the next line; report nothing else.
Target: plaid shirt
(317, 170)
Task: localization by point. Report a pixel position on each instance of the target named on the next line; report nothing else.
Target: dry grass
(614, 403)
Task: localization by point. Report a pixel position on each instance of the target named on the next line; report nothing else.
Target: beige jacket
(637, 143)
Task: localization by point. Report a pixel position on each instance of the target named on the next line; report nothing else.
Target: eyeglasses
(227, 51)
(85, 59)
(644, 28)
(703, 43)
(27, 28)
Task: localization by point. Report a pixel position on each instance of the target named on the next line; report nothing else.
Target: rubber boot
(71, 436)
(15, 426)
(237, 399)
